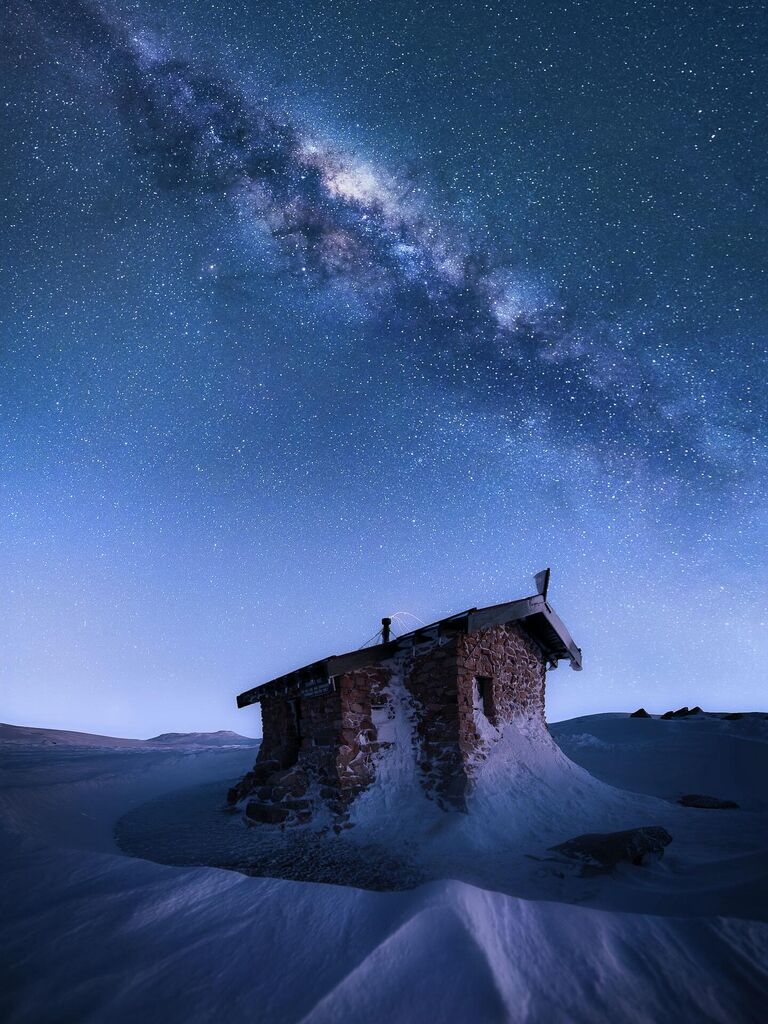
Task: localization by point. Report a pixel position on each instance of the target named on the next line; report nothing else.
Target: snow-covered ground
(495, 927)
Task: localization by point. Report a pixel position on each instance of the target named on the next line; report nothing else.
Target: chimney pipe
(385, 630)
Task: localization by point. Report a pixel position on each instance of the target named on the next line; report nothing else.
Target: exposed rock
(680, 713)
(268, 814)
(695, 711)
(297, 805)
(262, 770)
(291, 782)
(243, 788)
(711, 803)
(607, 849)
(640, 713)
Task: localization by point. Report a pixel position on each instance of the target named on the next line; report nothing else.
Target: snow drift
(501, 933)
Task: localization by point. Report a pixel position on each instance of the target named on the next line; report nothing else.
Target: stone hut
(326, 726)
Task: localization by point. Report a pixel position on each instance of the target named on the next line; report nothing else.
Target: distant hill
(63, 737)
(222, 738)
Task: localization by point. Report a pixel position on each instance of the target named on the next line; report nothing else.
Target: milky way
(340, 223)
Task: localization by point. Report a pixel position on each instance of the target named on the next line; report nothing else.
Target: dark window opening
(296, 709)
(485, 693)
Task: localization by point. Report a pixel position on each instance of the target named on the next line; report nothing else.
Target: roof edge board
(560, 628)
(255, 693)
(472, 619)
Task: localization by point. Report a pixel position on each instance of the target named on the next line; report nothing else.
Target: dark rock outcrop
(640, 713)
(681, 713)
(243, 789)
(268, 814)
(710, 803)
(290, 782)
(607, 849)
(251, 781)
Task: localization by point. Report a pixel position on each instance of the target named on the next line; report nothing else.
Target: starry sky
(316, 312)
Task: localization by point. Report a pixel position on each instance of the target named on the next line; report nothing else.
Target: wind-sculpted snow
(131, 940)
(619, 749)
(527, 795)
(90, 935)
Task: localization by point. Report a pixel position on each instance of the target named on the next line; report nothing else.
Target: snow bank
(395, 809)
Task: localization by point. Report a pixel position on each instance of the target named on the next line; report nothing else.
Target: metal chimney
(385, 630)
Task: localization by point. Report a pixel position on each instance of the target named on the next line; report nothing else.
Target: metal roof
(534, 614)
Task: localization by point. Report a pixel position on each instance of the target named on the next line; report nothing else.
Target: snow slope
(500, 932)
(704, 753)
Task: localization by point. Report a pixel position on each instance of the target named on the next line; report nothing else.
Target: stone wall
(431, 678)
(335, 758)
(443, 683)
(280, 744)
(320, 726)
(516, 669)
(358, 691)
(294, 766)
(330, 763)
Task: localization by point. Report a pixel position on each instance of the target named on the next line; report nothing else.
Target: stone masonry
(319, 752)
(444, 683)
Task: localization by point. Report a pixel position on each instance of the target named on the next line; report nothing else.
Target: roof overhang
(539, 620)
(534, 614)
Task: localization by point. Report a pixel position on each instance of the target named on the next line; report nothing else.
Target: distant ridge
(64, 737)
(222, 738)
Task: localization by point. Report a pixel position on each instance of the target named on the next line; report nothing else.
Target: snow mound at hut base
(526, 795)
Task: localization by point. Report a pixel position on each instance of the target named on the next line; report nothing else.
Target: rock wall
(280, 743)
(331, 757)
(431, 679)
(515, 669)
(454, 731)
(296, 763)
(327, 757)
(358, 691)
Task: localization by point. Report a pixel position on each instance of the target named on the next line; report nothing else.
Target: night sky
(315, 312)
